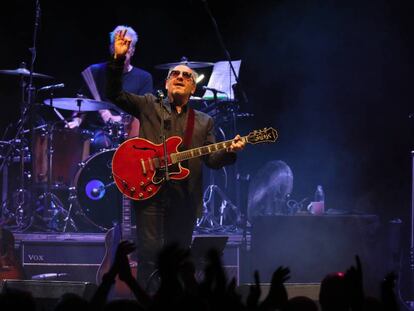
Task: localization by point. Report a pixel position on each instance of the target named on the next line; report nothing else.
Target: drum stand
(73, 202)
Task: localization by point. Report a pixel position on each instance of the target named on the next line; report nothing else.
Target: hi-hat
(78, 104)
(24, 72)
(184, 61)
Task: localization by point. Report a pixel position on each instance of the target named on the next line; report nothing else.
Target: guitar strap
(188, 135)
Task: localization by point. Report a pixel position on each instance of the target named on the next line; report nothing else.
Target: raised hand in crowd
(388, 297)
(277, 298)
(125, 274)
(215, 288)
(354, 285)
(119, 266)
(170, 290)
(252, 301)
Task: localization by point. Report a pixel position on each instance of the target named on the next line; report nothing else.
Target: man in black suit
(169, 216)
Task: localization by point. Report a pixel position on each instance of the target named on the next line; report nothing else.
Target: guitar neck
(126, 218)
(204, 150)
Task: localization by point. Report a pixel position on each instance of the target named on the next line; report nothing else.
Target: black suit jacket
(150, 112)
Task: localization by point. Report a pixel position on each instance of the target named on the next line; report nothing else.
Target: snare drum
(97, 194)
(69, 148)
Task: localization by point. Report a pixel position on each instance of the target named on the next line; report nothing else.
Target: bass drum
(97, 194)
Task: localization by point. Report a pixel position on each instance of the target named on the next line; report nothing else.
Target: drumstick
(90, 82)
(61, 117)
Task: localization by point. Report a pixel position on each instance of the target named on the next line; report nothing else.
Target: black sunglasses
(176, 73)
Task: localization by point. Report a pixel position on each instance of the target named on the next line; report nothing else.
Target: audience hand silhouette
(354, 285)
(121, 262)
(388, 296)
(277, 298)
(255, 291)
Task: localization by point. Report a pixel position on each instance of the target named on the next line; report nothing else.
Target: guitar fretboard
(200, 151)
(126, 218)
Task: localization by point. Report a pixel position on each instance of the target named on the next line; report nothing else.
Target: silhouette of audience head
(71, 301)
(333, 292)
(302, 303)
(15, 299)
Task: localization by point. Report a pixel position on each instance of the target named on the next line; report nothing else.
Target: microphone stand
(34, 54)
(160, 96)
(239, 84)
(26, 111)
(226, 52)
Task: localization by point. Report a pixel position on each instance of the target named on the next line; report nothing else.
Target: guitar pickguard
(159, 175)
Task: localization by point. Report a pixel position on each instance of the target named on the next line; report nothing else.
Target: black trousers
(166, 219)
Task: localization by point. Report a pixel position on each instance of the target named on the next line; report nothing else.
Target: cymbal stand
(208, 222)
(225, 204)
(54, 215)
(21, 196)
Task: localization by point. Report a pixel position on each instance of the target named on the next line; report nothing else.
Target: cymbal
(184, 61)
(24, 72)
(196, 98)
(79, 104)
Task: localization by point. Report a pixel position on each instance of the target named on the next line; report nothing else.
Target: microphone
(48, 276)
(52, 87)
(206, 88)
(160, 95)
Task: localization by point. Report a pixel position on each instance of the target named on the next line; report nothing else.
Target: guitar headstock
(268, 134)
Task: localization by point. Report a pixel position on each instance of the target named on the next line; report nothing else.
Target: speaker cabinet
(62, 260)
(313, 246)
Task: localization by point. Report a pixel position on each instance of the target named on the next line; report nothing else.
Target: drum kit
(59, 172)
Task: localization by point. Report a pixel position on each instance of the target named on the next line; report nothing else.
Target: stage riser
(313, 246)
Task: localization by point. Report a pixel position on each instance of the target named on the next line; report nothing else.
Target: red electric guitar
(138, 165)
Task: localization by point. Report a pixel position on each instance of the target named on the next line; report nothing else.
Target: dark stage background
(335, 79)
